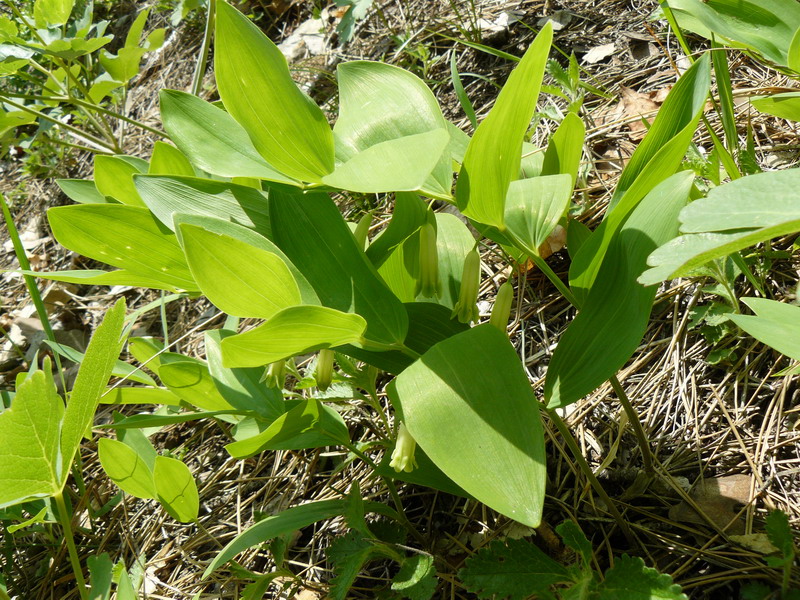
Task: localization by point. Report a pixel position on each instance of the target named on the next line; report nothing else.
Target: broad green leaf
(123, 236)
(316, 239)
(494, 450)
(30, 433)
(212, 140)
(453, 242)
(125, 468)
(658, 156)
(113, 176)
(139, 395)
(242, 388)
(408, 215)
(96, 277)
(577, 234)
(611, 322)
(785, 106)
(516, 569)
(239, 279)
(137, 441)
(290, 332)
(425, 473)
(380, 103)
(277, 525)
(776, 324)
(733, 216)
(310, 424)
(82, 191)
(286, 127)
(534, 207)
(124, 66)
(254, 239)
(416, 578)
(52, 13)
(176, 489)
(565, 149)
(96, 368)
(493, 157)
(100, 574)
(767, 26)
(168, 196)
(630, 579)
(168, 160)
(190, 380)
(402, 164)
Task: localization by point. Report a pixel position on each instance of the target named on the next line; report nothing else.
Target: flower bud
(501, 311)
(466, 309)
(275, 376)
(403, 454)
(428, 283)
(324, 371)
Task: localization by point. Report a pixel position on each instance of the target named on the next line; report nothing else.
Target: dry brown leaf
(719, 499)
(757, 542)
(598, 53)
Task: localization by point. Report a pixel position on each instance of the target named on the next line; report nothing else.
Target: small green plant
(59, 84)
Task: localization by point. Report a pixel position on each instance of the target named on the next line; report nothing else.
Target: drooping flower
(275, 376)
(403, 454)
(501, 311)
(466, 308)
(428, 284)
(324, 371)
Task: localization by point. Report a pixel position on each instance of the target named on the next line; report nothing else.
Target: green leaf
(736, 215)
(212, 140)
(494, 450)
(658, 156)
(96, 368)
(347, 555)
(516, 570)
(121, 369)
(416, 579)
(168, 196)
(176, 489)
(52, 13)
(493, 157)
(402, 164)
(30, 431)
(379, 103)
(242, 388)
(780, 533)
(574, 538)
(82, 191)
(189, 379)
(534, 207)
(139, 395)
(254, 82)
(290, 332)
(126, 468)
(276, 525)
(766, 26)
(238, 278)
(100, 573)
(565, 149)
(316, 239)
(96, 277)
(613, 319)
(113, 176)
(630, 579)
(310, 424)
(785, 105)
(168, 160)
(777, 325)
(123, 236)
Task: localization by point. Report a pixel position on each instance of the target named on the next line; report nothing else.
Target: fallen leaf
(757, 542)
(598, 53)
(719, 498)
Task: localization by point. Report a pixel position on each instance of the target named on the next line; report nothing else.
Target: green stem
(30, 282)
(673, 23)
(641, 437)
(202, 61)
(569, 439)
(65, 519)
(638, 430)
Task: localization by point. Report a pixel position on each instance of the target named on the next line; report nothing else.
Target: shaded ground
(703, 420)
